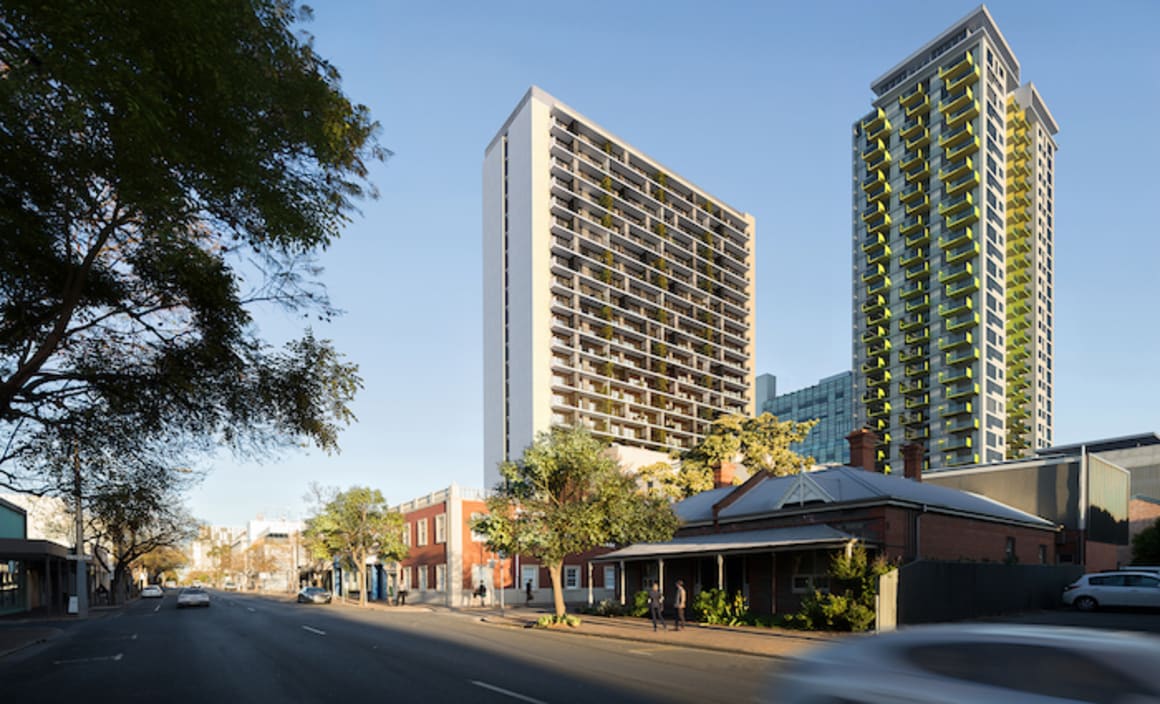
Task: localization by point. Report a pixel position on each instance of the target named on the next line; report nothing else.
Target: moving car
(1121, 588)
(230, 587)
(966, 664)
(313, 595)
(152, 591)
(192, 597)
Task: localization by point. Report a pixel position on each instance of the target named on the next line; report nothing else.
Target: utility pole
(82, 591)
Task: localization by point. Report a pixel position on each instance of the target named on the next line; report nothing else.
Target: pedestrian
(656, 604)
(679, 605)
(481, 593)
(528, 591)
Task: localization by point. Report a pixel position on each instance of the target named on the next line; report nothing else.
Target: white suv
(1121, 588)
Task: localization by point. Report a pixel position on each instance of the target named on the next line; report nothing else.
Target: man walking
(656, 604)
(528, 592)
(679, 604)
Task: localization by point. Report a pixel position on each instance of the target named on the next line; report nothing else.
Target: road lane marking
(101, 658)
(157, 609)
(508, 692)
(250, 609)
(650, 651)
(314, 630)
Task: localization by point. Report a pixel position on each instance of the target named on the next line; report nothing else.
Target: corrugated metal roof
(848, 485)
(737, 541)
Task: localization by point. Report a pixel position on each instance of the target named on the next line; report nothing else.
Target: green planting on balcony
(660, 349)
(606, 312)
(707, 349)
(606, 332)
(659, 194)
(606, 220)
(608, 147)
(661, 230)
(709, 207)
(607, 369)
(661, 281)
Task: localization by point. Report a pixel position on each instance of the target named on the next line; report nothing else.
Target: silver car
(964, 664)
(1119, 588)
(313, 595)
(192, 597)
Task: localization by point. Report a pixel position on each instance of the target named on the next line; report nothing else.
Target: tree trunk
(557, 586)
(360, 572)
(117, 593)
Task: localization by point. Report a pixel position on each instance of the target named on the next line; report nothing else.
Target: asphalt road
(253, 649)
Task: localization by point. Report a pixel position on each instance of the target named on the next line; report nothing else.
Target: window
(571, 577)
(530, 574)
(1009, 550)
(477, 537)
(811, 572)
(422, 569)
(421, 532)
(1043, 554)
(441, 528)
(609, 577)
(407, 534)
(440, 578)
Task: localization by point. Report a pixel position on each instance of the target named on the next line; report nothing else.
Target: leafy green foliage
(605, 607)
(565, 496)
(850, 604)
(1146, 545)
(550, 620)
(167, 167)
(761, 444)
(715, 606)
(356, 525)
(639, 604)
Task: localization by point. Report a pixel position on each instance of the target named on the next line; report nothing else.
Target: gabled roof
(838, 486)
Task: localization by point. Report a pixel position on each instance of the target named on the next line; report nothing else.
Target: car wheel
(1085, 603)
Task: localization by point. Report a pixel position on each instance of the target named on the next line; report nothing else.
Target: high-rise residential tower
(617, 295)
(953, 254)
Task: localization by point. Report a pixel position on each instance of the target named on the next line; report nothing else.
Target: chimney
(862, 442)
(723, 474)
(912, 461)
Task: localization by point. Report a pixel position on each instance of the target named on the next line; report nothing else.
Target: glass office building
(829, 401)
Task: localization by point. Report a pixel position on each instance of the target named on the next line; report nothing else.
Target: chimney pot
(862, 446)
(912, 461)
(723, 474)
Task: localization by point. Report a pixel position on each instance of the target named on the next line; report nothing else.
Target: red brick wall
(1101, 556)
(1141, 515)
(945, 537)
(424, 557)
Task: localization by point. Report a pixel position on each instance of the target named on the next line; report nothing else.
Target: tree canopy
(567, 495)
(168, 166)
(1146, 545)
(356, 525)
(761, 444)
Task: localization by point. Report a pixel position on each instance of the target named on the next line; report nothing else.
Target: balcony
(871, 365)
(960, 408)
(1021, 183)
(878, 223)
(873, 178)
(872, 210)
(874, 149)
(910, 225)
(911, 355)
(873, 240)
(918, 108)
(969, 285)
(920, 140)
(911, 323)
(873, 303)
(878, 192)
(917, 369)
(963, 64)
(879, 317)
(962, 184)
(875, 124)
(968, 78)
(913, 418)
(913, 162)
(879, 410)
(878, 349)
(873, 273)
(881, 287)
(953, 204)
(1018, 199)
(1019, 215)
(969, 112)
(959, 339)
(915, 386)
(912, 256)
(878, 378)
(958, 442)
(914, 434)
(965, 149)
(920, 206)
(912, 96)
(1020, 278)
(955, 273)
(918, 174)
(877, 254)
(955, 306)
(969, 250)
(961, 356)
(913, 402)
(875, 333)
(956, 169)
(962, 391)
(873, 395)
(911, 192)
(912, 128)
(953, 102)
(952, 377)
(961, 425)
(919, 238)
(962, 219)
(920, 270)
(918, 304)
(917, 338)
(950, 138)
(912, 290)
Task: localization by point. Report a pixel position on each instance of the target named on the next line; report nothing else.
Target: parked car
(1121, 588)
(313, 595)
(976, 664)
(230, 587)
(192, 597)
(152, 591)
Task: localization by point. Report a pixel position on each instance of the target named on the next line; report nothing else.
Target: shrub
(715, 606)
(850, 607)
(549, 620)
(639, 604)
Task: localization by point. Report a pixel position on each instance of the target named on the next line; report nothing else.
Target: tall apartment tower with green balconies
(617, 294)
(953, 214)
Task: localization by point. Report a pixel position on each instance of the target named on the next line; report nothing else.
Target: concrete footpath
(17, 638)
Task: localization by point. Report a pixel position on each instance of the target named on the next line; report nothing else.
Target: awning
(771, 539)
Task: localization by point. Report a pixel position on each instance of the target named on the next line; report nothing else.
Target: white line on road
(508, 692)
(250, 609)
(118, 656)
(314, 630)
(157, 609)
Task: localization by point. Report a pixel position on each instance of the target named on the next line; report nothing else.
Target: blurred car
(1121, 588)
(230, 587)
(976, 663)
(152, 591)
(192, 597)
(313, 595)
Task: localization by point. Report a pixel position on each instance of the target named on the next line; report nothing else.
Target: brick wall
(945, 537)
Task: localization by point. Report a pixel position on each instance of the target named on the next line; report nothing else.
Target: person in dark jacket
(656, 605)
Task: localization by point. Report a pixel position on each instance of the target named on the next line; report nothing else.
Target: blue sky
(752, 101)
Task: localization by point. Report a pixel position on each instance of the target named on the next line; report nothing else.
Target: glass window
(441, 528)
(440, 578)
(421, 532)
(571, 577)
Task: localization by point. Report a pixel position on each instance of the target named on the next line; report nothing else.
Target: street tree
(1146, 545)
(760, 444)
(162, 563)
(565, 496)
(356, 525)
(168, 167)
(258, 561)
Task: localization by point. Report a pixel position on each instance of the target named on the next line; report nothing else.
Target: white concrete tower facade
(939, 350)
(617, 295)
